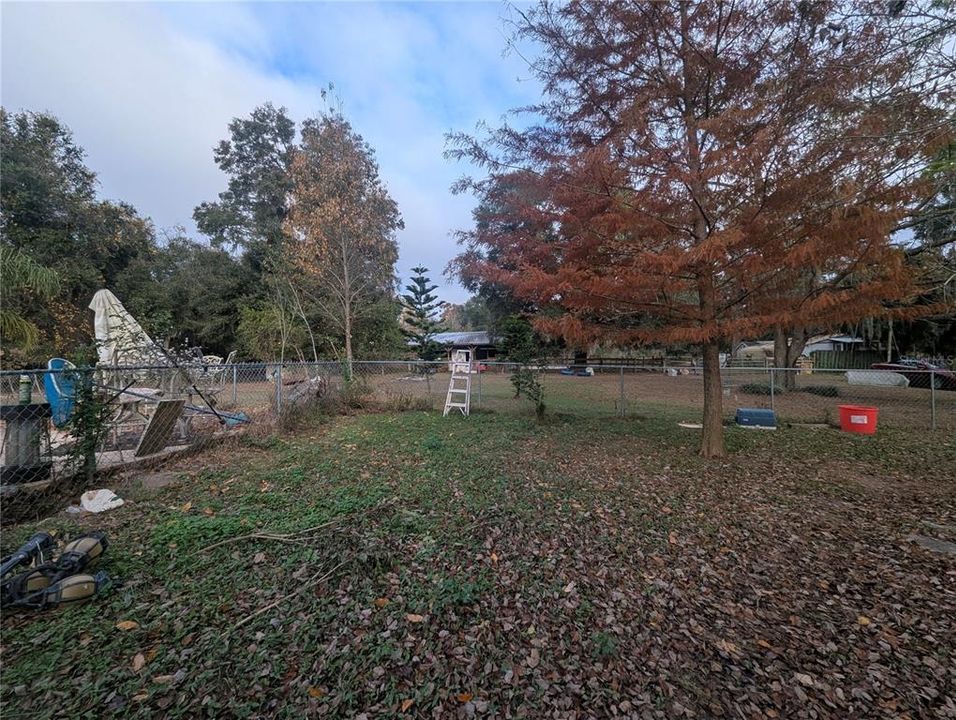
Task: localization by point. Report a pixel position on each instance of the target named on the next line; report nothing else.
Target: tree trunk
(780, 356)
(347, 312)
(348, 341)
(788, 345)
(712, 436)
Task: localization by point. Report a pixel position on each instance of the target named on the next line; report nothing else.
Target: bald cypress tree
(709, 170)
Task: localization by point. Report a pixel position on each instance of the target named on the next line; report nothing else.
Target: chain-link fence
(915, 400)
(59, 426)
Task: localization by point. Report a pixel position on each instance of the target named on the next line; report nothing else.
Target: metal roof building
(479, 343)
(466, 338)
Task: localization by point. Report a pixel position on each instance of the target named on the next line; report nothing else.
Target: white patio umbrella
(120, 339)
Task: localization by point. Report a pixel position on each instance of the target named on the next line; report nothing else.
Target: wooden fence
(845, 359)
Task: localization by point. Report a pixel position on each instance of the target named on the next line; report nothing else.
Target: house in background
(760, 352)
(833, 343)
(479, 344)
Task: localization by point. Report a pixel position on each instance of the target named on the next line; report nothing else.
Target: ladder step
(459, 385)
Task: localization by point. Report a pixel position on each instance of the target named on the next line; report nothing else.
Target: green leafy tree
(51, 217)
(189, 293)
(420, 314)
(272, 330)
(473, 314)
(932, 253)
(378, 334)
(251, 210)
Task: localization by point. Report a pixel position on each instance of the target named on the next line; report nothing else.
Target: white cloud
(149, 90)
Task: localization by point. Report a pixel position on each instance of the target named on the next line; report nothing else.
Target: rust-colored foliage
(342, 223)
(711, 170)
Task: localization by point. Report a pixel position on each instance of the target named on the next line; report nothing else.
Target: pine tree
(421, 308)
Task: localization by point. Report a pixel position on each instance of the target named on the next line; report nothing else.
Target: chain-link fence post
(932, 399)
(279, 390)
(480, 373)
(235, 383)
(772, 404)
(621, 383)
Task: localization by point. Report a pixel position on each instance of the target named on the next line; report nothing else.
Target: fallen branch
(312, 582)
(251, 536)
(293, 537)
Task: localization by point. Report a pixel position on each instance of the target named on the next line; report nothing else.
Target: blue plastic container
(756, 417)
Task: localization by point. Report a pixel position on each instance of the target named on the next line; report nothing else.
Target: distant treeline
(228, 290)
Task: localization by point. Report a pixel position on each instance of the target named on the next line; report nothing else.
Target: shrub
(525, 380)
(760, 389)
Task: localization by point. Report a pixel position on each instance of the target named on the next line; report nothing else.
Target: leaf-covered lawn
(492, 566)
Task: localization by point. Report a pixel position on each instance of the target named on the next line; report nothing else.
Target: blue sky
(148, 90)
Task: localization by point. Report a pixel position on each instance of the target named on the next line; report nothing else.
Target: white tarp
(97, 501)
(119, 338)
(876, 377)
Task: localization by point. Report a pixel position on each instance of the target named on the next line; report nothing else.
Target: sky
(148, 90)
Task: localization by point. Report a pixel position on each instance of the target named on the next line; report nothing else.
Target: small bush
(760, 389)
(406, 403)
(356, 395)
(821, 390)
(524, 380)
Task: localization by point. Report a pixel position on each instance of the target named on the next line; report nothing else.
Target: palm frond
(19, 271)
(16, 330)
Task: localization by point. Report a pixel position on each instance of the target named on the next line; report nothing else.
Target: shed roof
(470, 337)
(834, 338)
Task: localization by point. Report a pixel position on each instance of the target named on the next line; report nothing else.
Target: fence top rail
(545, 364)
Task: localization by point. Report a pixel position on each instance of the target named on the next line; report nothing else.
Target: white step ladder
(459, 387)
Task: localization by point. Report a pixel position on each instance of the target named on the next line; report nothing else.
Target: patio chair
(60, 391)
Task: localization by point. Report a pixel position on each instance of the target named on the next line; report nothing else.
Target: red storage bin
(858, 419)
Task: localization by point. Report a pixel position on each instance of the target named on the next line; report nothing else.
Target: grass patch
(483, 549)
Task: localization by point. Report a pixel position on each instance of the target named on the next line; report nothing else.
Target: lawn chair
(60, 391)
(211, 376)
